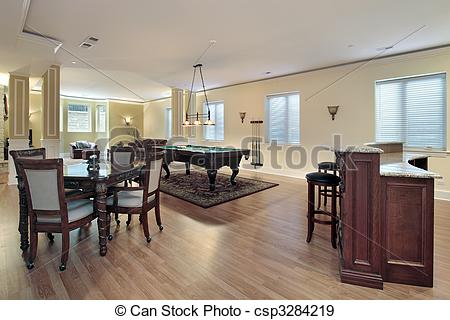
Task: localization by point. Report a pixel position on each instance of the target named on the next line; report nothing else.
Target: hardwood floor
(250, 248)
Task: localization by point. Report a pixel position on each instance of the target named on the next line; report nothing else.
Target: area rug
(194, 188)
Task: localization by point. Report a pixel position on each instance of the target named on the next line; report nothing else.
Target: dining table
(77, 176)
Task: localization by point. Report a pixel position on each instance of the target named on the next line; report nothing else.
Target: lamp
(197, 116)
(242, 115)
(333, 110)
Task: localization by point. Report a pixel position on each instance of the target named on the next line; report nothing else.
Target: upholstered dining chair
(121, 157)
(48, 208)
(140, 200)
(39, 154)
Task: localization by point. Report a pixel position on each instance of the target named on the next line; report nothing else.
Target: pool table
(210, 158)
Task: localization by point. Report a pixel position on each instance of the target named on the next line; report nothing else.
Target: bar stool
(326, 192)
(327, 180)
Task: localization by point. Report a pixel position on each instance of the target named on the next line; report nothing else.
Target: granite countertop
(358, 149)
(396, 164)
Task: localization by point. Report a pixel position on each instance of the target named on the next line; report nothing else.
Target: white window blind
(412, 110)
(283, 118)
(101, 118)
(215, 132)
(78, 118)
(168, 122)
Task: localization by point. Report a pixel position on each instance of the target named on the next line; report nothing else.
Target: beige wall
(154, 118)
(354, 94)
(118, 111)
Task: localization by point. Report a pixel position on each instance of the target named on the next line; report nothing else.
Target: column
(177, 112)
(50, 111)
(18, 105)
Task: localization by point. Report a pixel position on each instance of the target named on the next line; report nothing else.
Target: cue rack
(256, 143)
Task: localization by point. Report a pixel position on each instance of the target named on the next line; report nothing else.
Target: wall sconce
(242, 115)
(333, 110)
(127, 121)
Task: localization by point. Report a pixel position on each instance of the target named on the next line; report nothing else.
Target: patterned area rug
(194, 188)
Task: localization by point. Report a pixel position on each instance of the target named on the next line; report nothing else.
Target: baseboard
(442, 195)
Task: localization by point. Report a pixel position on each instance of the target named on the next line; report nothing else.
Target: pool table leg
(166, 169)
(188, 168)
(233, 176)
(212, 179)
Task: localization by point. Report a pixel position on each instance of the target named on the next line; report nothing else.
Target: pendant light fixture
(197, 118)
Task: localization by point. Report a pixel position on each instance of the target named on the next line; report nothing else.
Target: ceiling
(147, 47)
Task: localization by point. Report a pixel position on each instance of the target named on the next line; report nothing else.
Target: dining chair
(48, 208)
(39, 154)
(140, 200)
(121, 157)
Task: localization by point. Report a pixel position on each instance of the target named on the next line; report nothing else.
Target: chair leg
(310, 212)
(50, 236)
(129, 220)
(145, 226)
(333, 217)
(158, 215)
(33, 248)
(65, 249)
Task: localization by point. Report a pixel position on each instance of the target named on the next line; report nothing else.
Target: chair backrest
(122, 157)
(153, 166)
(44, 186)
(37, 154)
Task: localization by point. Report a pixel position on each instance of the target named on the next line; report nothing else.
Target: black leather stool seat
(326, 178)
(331, 166)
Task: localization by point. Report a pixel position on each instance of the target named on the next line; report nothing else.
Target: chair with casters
(140, 200)
(48, 208)
(36, 154)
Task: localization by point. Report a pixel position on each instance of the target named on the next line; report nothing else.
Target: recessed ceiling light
(73, 62)
(267, 72)
(350, 45)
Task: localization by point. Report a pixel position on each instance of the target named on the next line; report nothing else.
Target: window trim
(97, 118)
(204, 127)
(167, 130)
(445, 150)
(89, 114)
(267, 139)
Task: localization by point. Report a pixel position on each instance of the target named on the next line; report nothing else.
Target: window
(101, 118)
(78, 118)
(283, 118)
(168, 122)
(413, 111)
(215, 132)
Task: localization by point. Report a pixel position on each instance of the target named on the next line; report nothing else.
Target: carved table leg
(103, 221)
(233, 176)
(23, 215)
(212, 179)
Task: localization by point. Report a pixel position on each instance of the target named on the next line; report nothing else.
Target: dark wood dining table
(77, 177)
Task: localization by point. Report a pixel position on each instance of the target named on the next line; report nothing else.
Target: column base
(15, 144)
(51, 148)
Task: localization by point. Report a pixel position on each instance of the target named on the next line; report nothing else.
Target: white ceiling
(146, 47)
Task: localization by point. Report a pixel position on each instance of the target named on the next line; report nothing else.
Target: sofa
(83, 149)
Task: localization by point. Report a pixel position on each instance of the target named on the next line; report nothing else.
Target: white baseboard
(442, 195)
(15, 144)
(438, 194)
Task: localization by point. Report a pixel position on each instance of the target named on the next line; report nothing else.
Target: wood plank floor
(250, 248)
